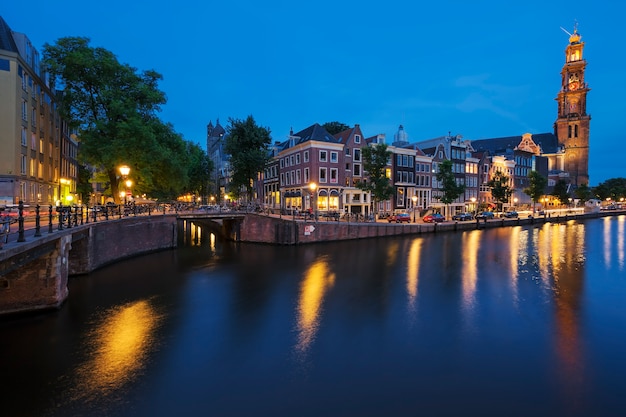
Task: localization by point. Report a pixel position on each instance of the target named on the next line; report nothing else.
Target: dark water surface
(521, 321)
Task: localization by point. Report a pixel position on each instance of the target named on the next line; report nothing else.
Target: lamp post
(313, 187)
(514, 203)
(124, 171)
(414, 198)
(473, 199)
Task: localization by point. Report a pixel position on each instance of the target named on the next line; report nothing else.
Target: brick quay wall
(258, 228)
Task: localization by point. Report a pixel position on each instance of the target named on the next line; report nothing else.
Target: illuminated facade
(38, 150)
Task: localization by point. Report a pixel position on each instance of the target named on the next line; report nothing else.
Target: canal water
(519, 321)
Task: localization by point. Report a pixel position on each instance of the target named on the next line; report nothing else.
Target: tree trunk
(114, 185)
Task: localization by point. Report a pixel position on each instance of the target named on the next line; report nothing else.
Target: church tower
(572, 124)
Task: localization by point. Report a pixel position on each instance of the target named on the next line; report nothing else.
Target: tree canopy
(335, 127)
(114, 109)
(375, 160)
(248, 147)
(560, 191)
(536, 187)
(500, 189)
(445, 176)
(614, 188)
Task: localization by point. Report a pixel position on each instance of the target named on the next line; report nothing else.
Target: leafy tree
(375, 160)
(84, 187)
(500, 189)
(583, 192)
(335, 127)
(451, 190)
(614, 188)
(536, 187)
(199, 170)
(163, 172)
(110, 104)
(560, 191)
(247, 144)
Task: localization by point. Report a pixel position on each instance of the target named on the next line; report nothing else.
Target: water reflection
(118, 347)
(470, 242)
(412, 274)
(318, 279)
(529, 315)
(609, 240)
(621, 252)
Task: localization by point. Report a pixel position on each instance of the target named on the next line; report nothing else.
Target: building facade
(38, 160)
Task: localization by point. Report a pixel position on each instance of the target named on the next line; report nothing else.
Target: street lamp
(414, 198)
(124, 171)
(515, 203)
(473, 199)
(313, 187)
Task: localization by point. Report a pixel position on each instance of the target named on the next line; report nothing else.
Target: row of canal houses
(315, 170)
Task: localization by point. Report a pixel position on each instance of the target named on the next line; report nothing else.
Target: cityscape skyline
(482, 71)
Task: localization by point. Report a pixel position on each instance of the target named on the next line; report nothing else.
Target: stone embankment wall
(34, 274)
(288, 231)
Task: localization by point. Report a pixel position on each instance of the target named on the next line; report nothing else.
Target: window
(24, 136)
(333, 157)
(24, 111)
(323, 156)
(323, 177)
(334, 175)
(291, 161)
(357, 138)
(33, 119)
(298, 177)
(357, 155)
(23, 165)
(400, 197)
(347, 151)
(306, 175)
(282, 179)
(282, 163)
(306, 156)
(357, 170)
(297, 159)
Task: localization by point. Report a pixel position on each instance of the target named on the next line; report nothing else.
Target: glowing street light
(313, 187)
(414, 198)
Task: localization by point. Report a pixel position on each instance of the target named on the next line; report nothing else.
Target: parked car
(485, 215)
(399, 218)
(433, 218)
(511, 215)
(462, 217)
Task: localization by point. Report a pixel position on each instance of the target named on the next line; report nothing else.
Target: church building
(567, 148)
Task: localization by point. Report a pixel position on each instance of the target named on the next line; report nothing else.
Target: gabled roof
(498, 146)
(344, 136)
(6, 37)
(317, 133)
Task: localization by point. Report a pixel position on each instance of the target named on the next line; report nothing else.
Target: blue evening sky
(481, 69)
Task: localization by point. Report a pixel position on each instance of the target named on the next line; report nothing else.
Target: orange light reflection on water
(470, 245)
(119, 347)
(317, 281)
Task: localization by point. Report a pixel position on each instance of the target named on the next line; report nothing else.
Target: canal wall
(258, 228)
(34, 274)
